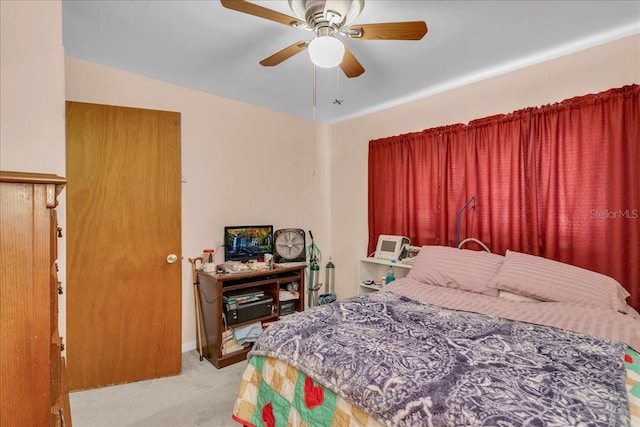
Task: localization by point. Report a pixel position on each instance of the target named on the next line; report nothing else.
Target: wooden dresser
(32, 370)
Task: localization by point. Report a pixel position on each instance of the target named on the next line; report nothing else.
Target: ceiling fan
(327, 19)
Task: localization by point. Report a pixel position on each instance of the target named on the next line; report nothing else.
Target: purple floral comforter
(410, 364)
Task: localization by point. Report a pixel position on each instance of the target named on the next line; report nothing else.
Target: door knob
(172, 258)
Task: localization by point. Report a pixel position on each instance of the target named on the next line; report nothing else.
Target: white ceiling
(202, 45)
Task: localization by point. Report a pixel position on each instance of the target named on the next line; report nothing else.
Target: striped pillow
(456, 268)
(549, 280)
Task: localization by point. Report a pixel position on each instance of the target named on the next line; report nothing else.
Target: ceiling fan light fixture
(326, 51)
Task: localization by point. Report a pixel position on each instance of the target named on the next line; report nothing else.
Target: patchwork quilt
(395, 361)
(274, 393)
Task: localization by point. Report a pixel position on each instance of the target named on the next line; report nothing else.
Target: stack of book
(288, 296)
(229, 343)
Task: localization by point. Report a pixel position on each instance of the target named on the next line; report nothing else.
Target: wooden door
(123, 220)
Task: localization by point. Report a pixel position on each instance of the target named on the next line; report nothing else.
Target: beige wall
(32, 87)
(589, 71)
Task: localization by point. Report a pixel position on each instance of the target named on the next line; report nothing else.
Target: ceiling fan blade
(285, 54)
(410, 30)
(350, 65)
(261, 12)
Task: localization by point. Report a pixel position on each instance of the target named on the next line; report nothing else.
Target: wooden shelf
(213, 287)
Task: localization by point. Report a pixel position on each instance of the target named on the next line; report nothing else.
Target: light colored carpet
(200, 396)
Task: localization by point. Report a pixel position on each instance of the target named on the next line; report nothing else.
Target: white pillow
(456, 268)
(549, 280)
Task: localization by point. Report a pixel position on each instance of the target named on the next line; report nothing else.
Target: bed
(467, 338)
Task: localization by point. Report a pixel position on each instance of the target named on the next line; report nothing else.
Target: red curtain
(560, 181)
(404, 177)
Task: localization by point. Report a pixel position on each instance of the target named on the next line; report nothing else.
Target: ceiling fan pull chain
(314, 92)
(313, 141)
(338, 101)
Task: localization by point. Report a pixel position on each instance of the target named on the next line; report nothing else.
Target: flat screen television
(247, 242)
